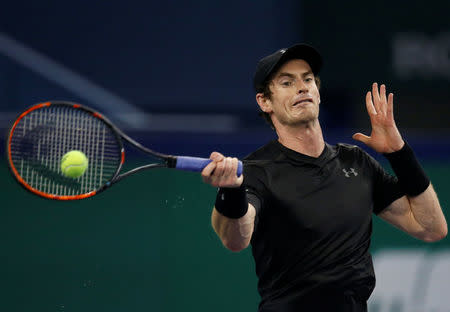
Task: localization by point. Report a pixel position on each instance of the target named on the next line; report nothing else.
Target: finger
(390, 105)
(210, 180)
(383, 100)
(231, 174)
(376, 97)
(215, 156)
(223, 178)
(206, 172)
(361, 138)
(376, 94)
(369, 105)
(235, 162)
(228, 167)
(237, 181)
(220, 168)
(383, 92)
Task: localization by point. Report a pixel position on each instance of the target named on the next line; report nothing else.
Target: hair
(267, 93)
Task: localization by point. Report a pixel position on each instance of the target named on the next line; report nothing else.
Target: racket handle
(197, 164)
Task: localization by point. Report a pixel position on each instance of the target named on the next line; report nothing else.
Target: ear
(264, 103)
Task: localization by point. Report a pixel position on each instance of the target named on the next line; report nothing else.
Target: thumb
(215, 156)
(361, 138)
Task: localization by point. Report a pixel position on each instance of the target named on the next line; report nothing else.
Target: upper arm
(420, 216)
(399, 214)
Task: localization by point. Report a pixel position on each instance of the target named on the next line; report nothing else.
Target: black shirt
(314, 220)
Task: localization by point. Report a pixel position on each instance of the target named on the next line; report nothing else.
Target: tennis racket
(43, 133)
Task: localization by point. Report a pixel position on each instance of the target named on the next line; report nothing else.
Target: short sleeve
(386, 188)
(255, 185)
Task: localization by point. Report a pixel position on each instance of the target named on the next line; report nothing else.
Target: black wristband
(411, 176)
(232, 202)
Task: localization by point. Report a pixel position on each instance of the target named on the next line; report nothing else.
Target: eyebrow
(285, 74)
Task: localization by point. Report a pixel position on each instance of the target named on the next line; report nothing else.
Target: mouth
(303, 102)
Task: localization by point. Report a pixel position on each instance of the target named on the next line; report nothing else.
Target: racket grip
(197, 164)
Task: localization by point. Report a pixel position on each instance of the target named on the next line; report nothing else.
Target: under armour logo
(347, 173)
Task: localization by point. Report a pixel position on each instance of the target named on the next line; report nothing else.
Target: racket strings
(43, 136)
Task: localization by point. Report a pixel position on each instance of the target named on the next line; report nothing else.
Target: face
(295, 97)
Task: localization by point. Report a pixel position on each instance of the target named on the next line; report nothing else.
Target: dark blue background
(199, 57)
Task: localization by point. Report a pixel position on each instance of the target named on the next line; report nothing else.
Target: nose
(302, 87)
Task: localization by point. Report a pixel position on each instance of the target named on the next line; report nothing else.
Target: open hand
(385, 137)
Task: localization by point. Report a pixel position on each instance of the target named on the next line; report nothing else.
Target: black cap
(272, 62)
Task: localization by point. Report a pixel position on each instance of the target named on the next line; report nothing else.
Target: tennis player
(306, 206)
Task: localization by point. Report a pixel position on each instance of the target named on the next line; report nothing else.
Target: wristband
(232, 202)
(411, 176)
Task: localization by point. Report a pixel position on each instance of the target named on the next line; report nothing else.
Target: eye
(286, 83)
(309, 79)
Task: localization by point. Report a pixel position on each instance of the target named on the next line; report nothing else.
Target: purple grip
(197, 164)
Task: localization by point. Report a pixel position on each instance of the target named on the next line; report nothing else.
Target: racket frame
(169, 160)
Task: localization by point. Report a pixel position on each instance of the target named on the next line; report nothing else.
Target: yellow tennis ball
(74, 164)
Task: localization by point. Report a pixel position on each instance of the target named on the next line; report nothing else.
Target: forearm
(235, 234)
(428, 213)
(419, 212)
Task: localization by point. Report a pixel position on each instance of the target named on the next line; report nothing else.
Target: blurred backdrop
(177, 76)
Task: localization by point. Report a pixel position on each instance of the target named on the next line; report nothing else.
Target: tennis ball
(74, 164)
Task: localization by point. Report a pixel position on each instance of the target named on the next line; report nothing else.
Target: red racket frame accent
(43, 194)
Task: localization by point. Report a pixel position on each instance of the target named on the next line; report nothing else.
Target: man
(306, 206)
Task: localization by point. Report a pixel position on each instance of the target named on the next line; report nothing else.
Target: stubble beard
(306, 117)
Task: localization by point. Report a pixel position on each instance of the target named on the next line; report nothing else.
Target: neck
(306, 139)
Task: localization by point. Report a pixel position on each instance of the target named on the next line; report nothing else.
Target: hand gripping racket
(42, 134)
